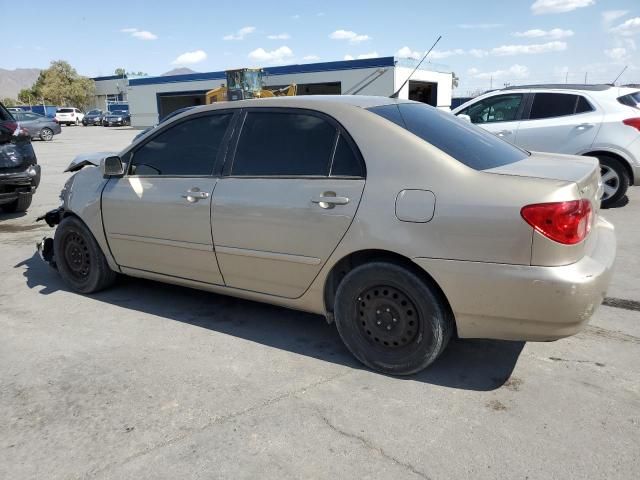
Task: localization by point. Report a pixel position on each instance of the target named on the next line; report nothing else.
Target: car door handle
(585, 126)
(502, 133)
(195, 194)
(329, 200)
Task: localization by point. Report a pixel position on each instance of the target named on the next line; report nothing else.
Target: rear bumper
(14, 185)
(519, 302)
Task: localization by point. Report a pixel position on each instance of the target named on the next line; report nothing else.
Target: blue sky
(483, 41)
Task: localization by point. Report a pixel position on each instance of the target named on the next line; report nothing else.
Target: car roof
(363, 101)
(563, 86)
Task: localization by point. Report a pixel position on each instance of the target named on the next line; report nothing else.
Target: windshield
(119, 112)
(468, 144)
(94, 112)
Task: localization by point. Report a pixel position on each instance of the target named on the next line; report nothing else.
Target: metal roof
(284, 70)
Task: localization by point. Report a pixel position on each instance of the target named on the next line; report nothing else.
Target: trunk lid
(583, 171)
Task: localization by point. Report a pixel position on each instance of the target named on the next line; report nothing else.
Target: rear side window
(468, 144)
(188, 148)
(345, 162)
(631, 100)
(284, 144)
(548, 105)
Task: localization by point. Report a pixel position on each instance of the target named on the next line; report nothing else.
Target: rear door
(499, 114)
(157, 217)
(559, 123)
(286, 199)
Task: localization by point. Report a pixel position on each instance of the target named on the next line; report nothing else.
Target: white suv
(69, 116)
(597, 120)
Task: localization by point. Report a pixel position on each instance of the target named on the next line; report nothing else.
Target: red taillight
(632, 122)
(563, 222)
(11, 126)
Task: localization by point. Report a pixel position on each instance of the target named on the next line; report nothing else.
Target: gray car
(38, 125)
(398, 221)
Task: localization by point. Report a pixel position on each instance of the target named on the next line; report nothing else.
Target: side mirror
(465, 117)
(112, 166)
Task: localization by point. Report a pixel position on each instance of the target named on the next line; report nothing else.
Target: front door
(286, 201)
(499, 114)
(157, 217)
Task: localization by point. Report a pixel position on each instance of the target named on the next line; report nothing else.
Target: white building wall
(109, 87)
(143, 98)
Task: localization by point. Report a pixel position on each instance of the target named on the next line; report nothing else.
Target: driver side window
(501, 108)
(189, 148)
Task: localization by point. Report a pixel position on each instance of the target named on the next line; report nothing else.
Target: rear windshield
(465, 142)
(632, 99)
(65, 110)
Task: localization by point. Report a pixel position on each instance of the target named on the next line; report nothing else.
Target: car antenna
(397, 92)
(623, 70)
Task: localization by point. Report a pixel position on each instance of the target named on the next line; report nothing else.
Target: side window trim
(227, 167)
(217, 161)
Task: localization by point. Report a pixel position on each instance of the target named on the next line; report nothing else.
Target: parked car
(93, 117)
(69, 116)
(19, 169)
(38, 126)
(397, 220)
(596, 120)
(117, 117)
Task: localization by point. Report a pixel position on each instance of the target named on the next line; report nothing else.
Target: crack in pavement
(622, 303)
(373, 447)
(215, 421)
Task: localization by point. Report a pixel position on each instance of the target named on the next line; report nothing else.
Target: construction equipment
(244, 83)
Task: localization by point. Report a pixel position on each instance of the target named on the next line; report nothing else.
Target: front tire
(390, 319)
(615, 179)
(46, 134)
(20, 205)
(79, 259)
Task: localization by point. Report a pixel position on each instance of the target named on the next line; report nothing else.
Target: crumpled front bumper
(45, 246)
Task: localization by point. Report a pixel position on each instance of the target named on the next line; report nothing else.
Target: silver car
(37, 125)
(398, 221)
(602, 121)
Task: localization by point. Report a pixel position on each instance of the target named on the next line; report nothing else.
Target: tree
(9, 102)
(121, 72)
(60, 84)
(455, 80)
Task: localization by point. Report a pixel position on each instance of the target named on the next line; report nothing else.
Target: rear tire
(390, 319)
(615, 179)
(79, 259)
(20, 205)
(46, 134)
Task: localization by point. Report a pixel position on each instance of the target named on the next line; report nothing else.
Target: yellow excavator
(244, 83)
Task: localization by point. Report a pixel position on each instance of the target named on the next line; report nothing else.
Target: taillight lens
(563, 222)
(632, 122)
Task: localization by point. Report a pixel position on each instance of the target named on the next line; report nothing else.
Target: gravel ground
(151, 381)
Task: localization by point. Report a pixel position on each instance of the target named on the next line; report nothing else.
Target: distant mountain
(12, 81)
(178, 71)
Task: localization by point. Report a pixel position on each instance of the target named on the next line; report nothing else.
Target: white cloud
(541, 7)
(406, 52)
(240, 34)
(629, 28)
(553, 34)
(506, 50)
(611, 16)
(480, 26)
(296, 16)
(279, 36)
(189, 58)
(362, 56)
(349, 57)
(320, 14)
(352, 37)
(273, 56)
(478, 53)
(515, 71)
(140, 34)
(310, 58)
(440, 54)
(617, 54)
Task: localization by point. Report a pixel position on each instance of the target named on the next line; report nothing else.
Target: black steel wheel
(79, 259)
(391, 319)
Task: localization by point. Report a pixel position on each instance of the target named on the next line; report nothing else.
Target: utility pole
(585, 77)
(491, 83)
(566, 76)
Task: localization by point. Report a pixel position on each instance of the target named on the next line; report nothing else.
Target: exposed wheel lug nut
(378, 322)
(395, 320)
(388, 310)
(388, 327)
(378, 312)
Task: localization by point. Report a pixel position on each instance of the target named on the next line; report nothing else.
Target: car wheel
(390, 319)
(20, 205)
(46, 134)
(615, 180)
(79, 259)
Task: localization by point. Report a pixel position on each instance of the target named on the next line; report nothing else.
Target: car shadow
(479, 365)
(11, 216)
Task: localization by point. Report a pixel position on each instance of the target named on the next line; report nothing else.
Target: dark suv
(19, 169)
